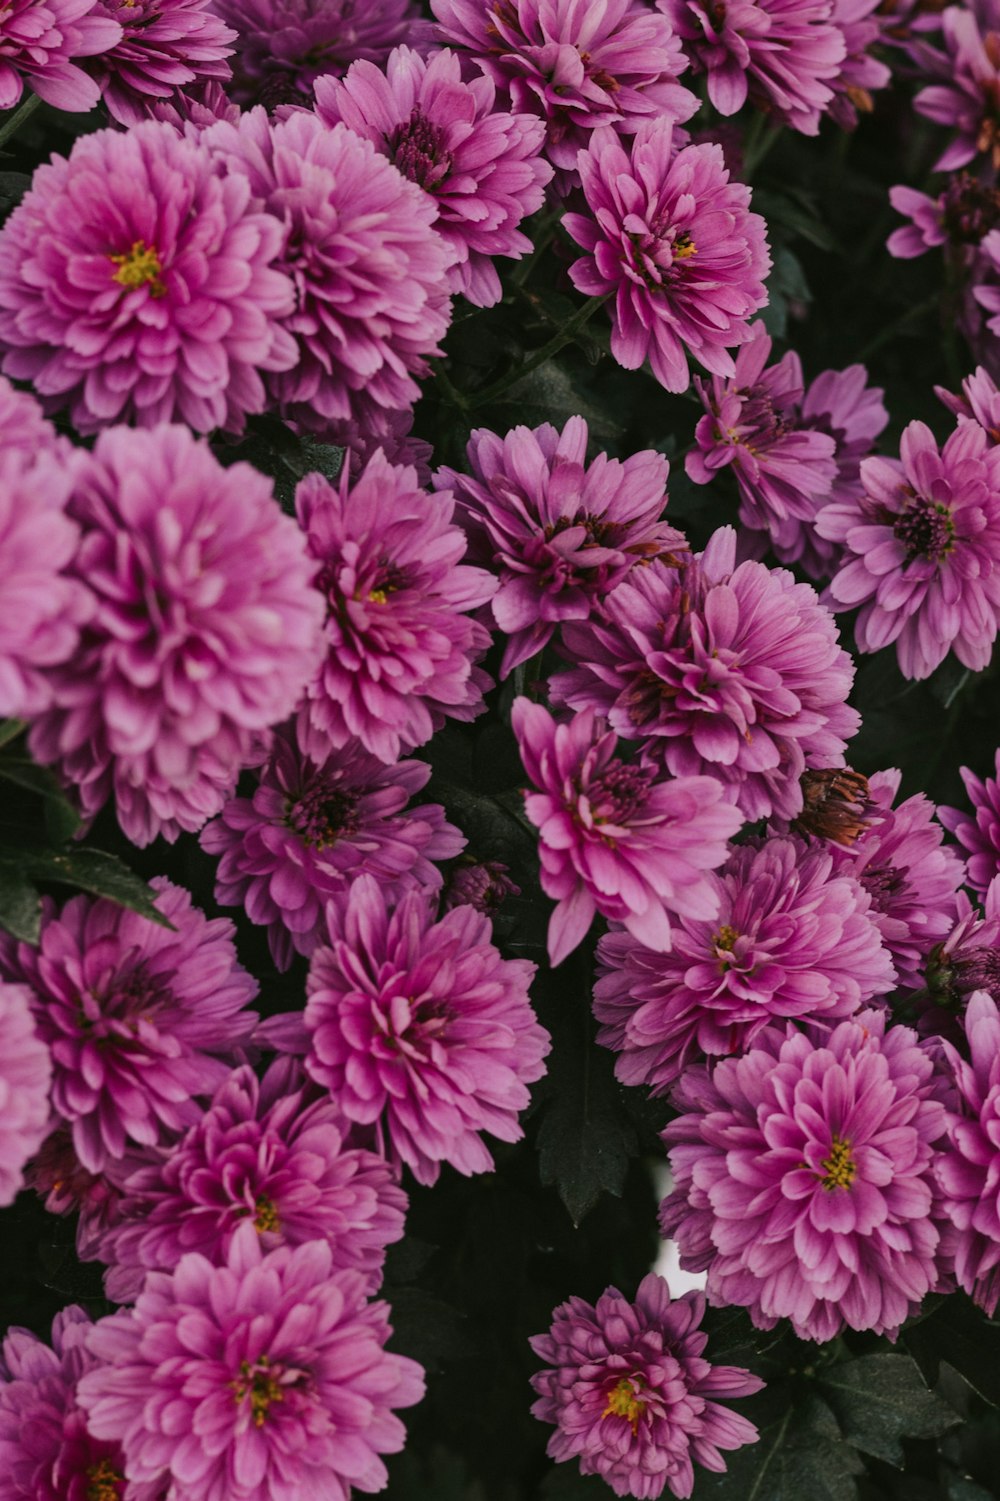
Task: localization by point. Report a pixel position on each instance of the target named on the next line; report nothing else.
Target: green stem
(565, 336)
(13, 122)
(546, 234)
(759, 139)
(450, 391)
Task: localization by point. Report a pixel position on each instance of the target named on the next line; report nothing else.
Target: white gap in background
(667, 1262)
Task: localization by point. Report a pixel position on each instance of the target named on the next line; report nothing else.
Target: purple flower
(968, 1169)
(959, 218)
(284, 46)
(578, 65)
(980, 834)
(134, 1015)
(25, 1075)
(911, 879)
(782, 468)
(860, 22)
(922, 550)
(968, 100)
(561, 533)
(783, 54)
(40, 41)
(716, 668)
(613, 839)
(266, 1152)
(205, 631)
(480, 165)
(165, 45)
(265, 1379)
(311, 828)
(57, 1175)
(804, 1178)
(675, 241)
(790, 938)
(24, 428)
(368, 268)
(979, 402)
(421, 1029)
(631, 1393)
(484, 885)
(137, 285)
(967, 960)
(400, 644)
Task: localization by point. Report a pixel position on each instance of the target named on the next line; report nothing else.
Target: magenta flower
(484, 885)
(613, 839)
(480, 165)
(959, 218)
(285, 1391)
(783, 469)
(968, 101)
(861, 23)
(284, 46)
(135, 1015)
(980, 834)
(922, 550)
(978, 402)
(561, 533)
(576, 63)
(311, 828)
(400, 644)
(675, 241)
(165, 45)
(968, 1169)
(266, 1152)
(205, 632)
(137, 285)
(715, 668)
(783, 54)
(421, 1029)
(967, 960)
(40, 41)
(804, 1178)
(57, 1175)
(25, 1075)
(631, 1393)
(368, 268)
(790, 938)
(24, 428)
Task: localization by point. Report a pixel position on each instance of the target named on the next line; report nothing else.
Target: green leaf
(88, 870)
(20, 905)
(958, 1332)
(793, 1460)
(10, 729)
(881, 1399)
(61, 819)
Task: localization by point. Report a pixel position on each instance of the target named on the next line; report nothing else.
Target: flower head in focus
(165, 45)
(40, 44)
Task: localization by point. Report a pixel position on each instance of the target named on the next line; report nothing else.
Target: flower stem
(14, 121)
(565, 336)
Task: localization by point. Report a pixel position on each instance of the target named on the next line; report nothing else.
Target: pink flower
(137, 285)
(979, 402)
(631, 1394)
(980, 834)
(480, 165)
(922, 550)
(804, 1178)
(484, 885)
(968, 100)
(674, 240)
(613, 839)
(265, 1379)
(165, 44)
(400, 644)
(958, 218)
(40, 41)
(421, 1029)
(25, 1074)
(560, 532)
(860, 22)
(205, 631)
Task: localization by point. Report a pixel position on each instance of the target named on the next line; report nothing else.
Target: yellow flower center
(625, 1402)
(267, 1215)
(840, 1168)
(684, 247)
(726, 938)
(104, 1483)
(139, 267)
(378, 597)
(257, 1383)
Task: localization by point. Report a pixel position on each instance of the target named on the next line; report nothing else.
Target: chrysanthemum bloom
(966, 961)
(790, 938)
(922, 550)
(200, 105)
(40, 41)
(41, 608)
(25, 1075)
(66, 1187)
(311, 828)
(734, 671)
(979, 401)
(138, 285)
(958, 218)
(421, 1029)
(265, 1379)
(484, 885)
(804, 1178)
(911, 878)
(205, 631)
(481, 166)
(267, 1152)
(579, 64)
(284, 46)
(24, 427)
(46, 1452)
(860, 74)
(979, 835)
(969, 100)
(400, 644)
(782, 470)
(368, 266)
(165, 45)
(631, 1393)
(614, 839)
(782, 54)
(561, 533)
(135, 1015)
(968, 1169)
(675, 241)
